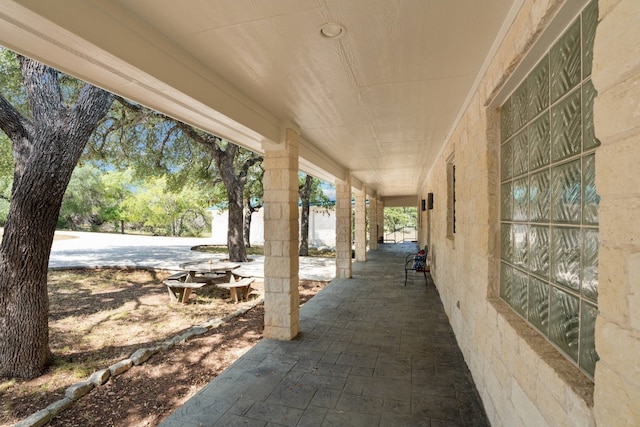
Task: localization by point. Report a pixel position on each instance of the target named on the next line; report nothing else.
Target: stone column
(373, 224)
(380, 213)
(361, 225)
(281, 299)
(343, 228)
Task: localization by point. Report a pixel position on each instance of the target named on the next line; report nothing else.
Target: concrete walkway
(125, 250)
(371, 352)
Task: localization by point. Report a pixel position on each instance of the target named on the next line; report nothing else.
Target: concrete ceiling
(378, 102)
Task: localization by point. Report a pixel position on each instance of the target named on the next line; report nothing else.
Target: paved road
(103, 249)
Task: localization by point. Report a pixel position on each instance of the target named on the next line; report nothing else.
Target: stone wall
(521, 378)
(322, 227)
(616, 77)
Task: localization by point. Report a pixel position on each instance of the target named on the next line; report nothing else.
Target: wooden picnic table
(180, 284)
(208, 267)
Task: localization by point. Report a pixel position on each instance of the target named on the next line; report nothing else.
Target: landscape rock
(99, 377)
(38, 419)
(210, 324)
(45, 415)
(57, 407)
(120, 367)
(182, 337)
(77, 390)
(197, 330)
(166, 345)
(142, 355)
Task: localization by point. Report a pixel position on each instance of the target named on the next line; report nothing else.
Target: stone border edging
(98, 378)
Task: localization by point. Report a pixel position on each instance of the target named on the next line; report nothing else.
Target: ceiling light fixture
(332, 30)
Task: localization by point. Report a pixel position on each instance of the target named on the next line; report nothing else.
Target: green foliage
(6, 163)
(6, 176)
(11, 84)
(151, 145)
(115, 200)
(82, 199)
(317, 196)
(13, 89)
(11, 81)
(158, 211)
(253, 189)
(396, 219)
(118, 187)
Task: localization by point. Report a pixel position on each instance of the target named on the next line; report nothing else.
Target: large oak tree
(48, 135)
(234, 165)
(154, 144)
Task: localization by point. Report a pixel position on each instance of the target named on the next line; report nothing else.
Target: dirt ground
(99, 317)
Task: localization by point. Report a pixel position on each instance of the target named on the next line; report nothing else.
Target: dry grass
(101, 316)
(98, 317)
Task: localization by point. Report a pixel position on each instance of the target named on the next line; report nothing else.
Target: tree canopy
(153, 145)
(138, 167)
(396, 219)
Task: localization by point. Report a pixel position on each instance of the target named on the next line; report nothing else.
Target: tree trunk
(234, 182)
(248, 212)
(46, 150)
(24, 261)
(248, 215)
(234, 185)
(305, 195)
(235, 235)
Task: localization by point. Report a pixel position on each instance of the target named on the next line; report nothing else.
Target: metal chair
(417, 262)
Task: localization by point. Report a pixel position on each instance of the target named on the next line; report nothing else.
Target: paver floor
(371, 352)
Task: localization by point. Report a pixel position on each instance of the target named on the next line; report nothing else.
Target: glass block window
(549, 203)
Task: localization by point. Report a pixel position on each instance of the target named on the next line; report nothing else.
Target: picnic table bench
(181, 275)
(240, 288)
(180, 291)
(180, 284)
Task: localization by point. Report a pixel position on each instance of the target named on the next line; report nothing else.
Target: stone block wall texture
(521, 378)
(361, 226)
(616, 77)
(343, 229)
(380, 213)
(281, 300)
(373, 224)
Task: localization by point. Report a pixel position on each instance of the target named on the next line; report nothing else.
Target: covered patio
(491, 118)
(371, 352)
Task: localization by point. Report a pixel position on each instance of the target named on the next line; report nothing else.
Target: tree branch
(163, 144)
(92, 105)
(42, 87)
(129, 104)
(190, 132)
(251, 161)
(11, 121)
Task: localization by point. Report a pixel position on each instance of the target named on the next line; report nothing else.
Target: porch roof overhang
(378, 102)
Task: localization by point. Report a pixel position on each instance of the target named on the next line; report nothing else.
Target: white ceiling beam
(318, 164)
(356, 184)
